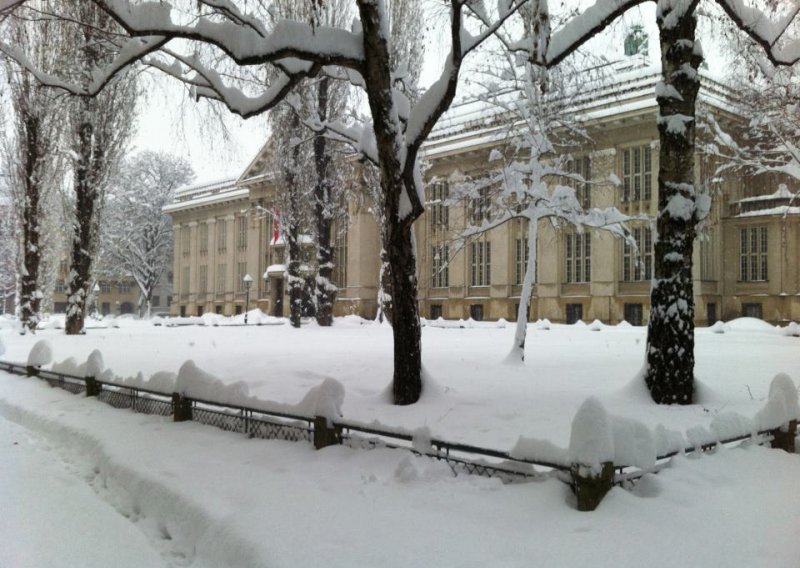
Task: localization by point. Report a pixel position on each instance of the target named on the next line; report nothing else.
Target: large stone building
(747, 264)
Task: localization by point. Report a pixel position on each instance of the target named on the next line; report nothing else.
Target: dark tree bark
(397, 232)
(325, 291)
(292, 229)
(31, 249)
(84, 228)
(670, 334)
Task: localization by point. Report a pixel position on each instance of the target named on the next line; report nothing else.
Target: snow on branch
(766, 32)
(133, 50)
(244, 44)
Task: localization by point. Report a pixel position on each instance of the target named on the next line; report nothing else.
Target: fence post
(181, 408)
(93, 388)
(591, 487)
(784, 440)
(32, 371)
(325, 434)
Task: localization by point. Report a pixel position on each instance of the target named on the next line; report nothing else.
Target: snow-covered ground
(209, 498)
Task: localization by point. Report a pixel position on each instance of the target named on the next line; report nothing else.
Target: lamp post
(96, 291)
(248, 281)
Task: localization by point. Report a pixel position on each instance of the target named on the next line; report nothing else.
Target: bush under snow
(41, 354)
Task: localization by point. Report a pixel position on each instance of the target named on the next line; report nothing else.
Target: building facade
(745, 262)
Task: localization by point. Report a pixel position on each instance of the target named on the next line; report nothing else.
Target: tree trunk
(385, 288)
(31, 251)
(521, 333)
(295, 281)
(325, 291)
(407, 380)
(406, 331)
(670, 335)
(83, 229)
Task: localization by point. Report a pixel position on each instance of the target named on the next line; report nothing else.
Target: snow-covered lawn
(204, 497)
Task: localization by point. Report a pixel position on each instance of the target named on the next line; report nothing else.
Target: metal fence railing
(461, 458)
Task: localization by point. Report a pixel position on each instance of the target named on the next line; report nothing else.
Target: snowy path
(207, 498)
(51, 516)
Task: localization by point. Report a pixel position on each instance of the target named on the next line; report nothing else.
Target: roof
(206, 193)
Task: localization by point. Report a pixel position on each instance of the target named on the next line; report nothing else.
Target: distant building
(746, 266)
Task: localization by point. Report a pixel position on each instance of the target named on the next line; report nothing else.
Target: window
(238, 309)
(106, 308)
(521, 252)
(634, 313)
(578, 257)
(436, 311)
(218, 309)
(241, 270)
(708, 256)
(480, 263)
(124, 287)
(340, 260)
(185, 243)
(199, 311)
(439, 210)
(476, 312)
(637, 173)
(222, 235)
(752, 310)
(440, 277)
(105, 288)
(241, 232)
(61, 287)
(516, 312)
(156, 302)
(574, 313)
(711, 313)
(479, 206)
(203, 238)
(582, 167)
(637, 267)
(753, 254)
(169, 301)
(63, 268)
(185, 280)
(221, 270)
(202, 285)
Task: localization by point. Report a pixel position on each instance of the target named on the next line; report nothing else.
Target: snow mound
(579, 323)
(729, 425)
(413, 468)
(543, 324)
(624, 324)
(750, 324)
(41, 354)
(94, 364)
(533, 449)
(2, 347)
(501, 323)
(718, 327)
(68, 366)
(633, 443)
(591, 441)
(792, 330)
(325, 399)
(421, 440)
(596, 325)
(781, 406)
(193, 382)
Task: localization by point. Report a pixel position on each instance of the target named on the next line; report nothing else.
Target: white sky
(170, 122)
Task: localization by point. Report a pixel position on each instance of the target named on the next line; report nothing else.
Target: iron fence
(275, 425)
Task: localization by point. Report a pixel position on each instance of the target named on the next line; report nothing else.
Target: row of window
(221, 236)
(637, 185)
(637, 266)
(105, 288)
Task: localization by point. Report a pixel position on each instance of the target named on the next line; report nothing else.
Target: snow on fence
(604, 450)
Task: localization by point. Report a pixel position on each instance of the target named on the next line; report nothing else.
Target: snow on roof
(782, 193)
(630, 87)
(206, 194)
(781, 210)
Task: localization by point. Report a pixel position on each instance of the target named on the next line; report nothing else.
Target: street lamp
(248, 281)
(96, 291)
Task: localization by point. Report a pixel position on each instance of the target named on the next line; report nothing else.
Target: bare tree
(137, 237)
(29, 155)
(99, 129)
